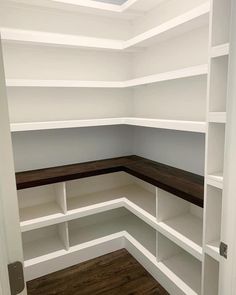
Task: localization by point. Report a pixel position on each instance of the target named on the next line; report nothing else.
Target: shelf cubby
(218, 84)
(105, 192)
(211, 279)
(216, 145)
(180, 266)
(220, 22)
(92, 228)
(213, 221)
(40, 206)
(181, 222)
(45, 243)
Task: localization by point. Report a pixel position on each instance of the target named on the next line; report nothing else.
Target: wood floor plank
(117, 273)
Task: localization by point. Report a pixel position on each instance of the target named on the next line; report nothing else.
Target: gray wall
(40, 149)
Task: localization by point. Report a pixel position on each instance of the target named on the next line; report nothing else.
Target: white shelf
(191, 126)
(185, 231)
(215, 179)
(160, 77)
(217, 117)
(184, 271)
(185, 22)
(212, 249)
(96, 229)
(46, 38)
(220, 50)
(188, 21)
(32, 217)
(42, 249)
(145, 200)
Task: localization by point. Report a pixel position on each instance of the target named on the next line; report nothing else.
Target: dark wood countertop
(183, 184)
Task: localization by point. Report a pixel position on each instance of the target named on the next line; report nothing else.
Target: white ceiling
(118, 2)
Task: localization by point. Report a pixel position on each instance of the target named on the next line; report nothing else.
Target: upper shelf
(171, 75)
(188, 21)
(191, 126)
(181, 183)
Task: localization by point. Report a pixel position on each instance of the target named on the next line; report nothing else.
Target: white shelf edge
(212, 250)
(217, 117)
(220, 50)
(39, 37)
(190, 126)
(188, 72)
(216, 180)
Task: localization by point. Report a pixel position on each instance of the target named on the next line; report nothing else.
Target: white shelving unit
(215, 143)
(83, 64)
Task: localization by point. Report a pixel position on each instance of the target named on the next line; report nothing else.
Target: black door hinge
(16, 277)
(223, 250)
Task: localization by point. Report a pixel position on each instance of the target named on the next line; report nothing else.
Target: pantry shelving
(125, 210)
(74, 68)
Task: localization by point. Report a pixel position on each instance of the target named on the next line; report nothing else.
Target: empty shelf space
(92, 228)
(220, 50)
(191, 126)
(41, 206)
(181, 222)
(182, 268)
(187, 229)
(197, 70)
(36, 214)
(217, 117)
(133, 193)
(215, 179)
(187, 21)
(42, 244)
(212, 249)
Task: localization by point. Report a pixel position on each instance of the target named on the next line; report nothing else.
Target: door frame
(10, 233)
(228, 232)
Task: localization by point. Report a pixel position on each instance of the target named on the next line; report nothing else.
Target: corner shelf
(191, 126)
(193, 19)
(198, 70)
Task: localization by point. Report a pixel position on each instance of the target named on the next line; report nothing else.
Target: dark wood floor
(117, 273)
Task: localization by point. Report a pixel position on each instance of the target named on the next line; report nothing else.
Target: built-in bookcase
(89, 81)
